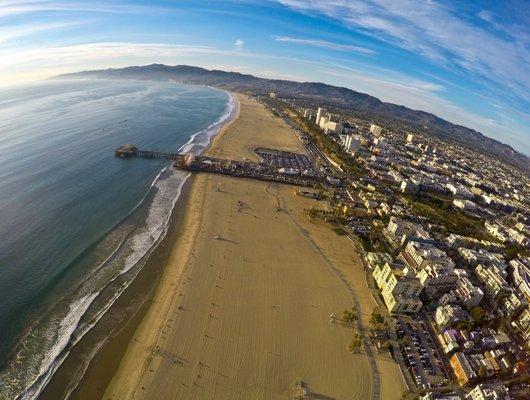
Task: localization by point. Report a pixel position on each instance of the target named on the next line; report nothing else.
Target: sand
(247, 316)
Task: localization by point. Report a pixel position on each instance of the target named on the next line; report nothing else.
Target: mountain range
(327, 95)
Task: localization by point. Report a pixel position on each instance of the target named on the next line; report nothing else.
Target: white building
(410, 137)
(494, 283)
(465, 293)
(375, 130)
(489, 391)
(399, 230)
(464, 204)
(450, 314)
(399, 289)
(352, 143)
(320, 114)
(521, 275)
(272, 95)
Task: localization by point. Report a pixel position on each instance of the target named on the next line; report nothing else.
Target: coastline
(229, 316)
(225, 319)
(124, 316)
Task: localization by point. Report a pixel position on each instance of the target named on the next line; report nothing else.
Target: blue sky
(466, 61)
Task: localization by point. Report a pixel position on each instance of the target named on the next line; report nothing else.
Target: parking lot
(420, 354)
(285, 159)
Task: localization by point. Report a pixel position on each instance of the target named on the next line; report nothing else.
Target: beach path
(242, 310)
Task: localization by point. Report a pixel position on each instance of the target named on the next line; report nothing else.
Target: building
(462, 369)
(494, 283)
(398, 231)
(272, 95)
(485, 391)
(449, 315)
(320, 114)
(420, 254)
(352, 143)
(399, 289)
(375, 130)
(465, 293)
(410, 137)
(521, 275)
(440, 396)
(464, 204)
(378, 259)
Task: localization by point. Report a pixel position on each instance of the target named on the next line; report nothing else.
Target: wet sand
(246, 316)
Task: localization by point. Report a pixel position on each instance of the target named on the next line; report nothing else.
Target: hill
(328, 95)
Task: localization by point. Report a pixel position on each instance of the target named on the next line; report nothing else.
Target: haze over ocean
(76, 222)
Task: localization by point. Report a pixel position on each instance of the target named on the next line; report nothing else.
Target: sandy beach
(246, 316)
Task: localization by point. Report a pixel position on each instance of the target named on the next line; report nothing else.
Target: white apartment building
(400, 291)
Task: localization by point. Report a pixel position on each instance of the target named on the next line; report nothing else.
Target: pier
(130, 151)
(263, 171)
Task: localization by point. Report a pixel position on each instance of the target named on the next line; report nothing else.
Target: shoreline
(230, 313)
(128, 311)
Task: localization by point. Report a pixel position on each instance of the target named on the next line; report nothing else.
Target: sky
(465, 61)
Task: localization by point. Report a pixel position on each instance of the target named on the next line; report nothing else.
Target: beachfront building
(400, 290)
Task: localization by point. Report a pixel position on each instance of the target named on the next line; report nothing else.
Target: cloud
(436, 32)
(325, 44)
(10, 33)
(11, 8)
(238, 44)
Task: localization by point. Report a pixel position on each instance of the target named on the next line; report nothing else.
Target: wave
(44, 348)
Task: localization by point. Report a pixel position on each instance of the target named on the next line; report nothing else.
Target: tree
(478, 313)
(377, 318)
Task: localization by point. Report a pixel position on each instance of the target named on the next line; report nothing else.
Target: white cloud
(325, 44)
(434, 30)
(10, 8)
(10, 33)
(238, 44)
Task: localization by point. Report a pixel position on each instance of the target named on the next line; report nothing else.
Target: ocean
(76, 223)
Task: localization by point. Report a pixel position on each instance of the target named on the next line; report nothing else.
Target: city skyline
(469, 68)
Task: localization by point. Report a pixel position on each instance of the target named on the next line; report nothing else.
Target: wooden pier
(130, 151)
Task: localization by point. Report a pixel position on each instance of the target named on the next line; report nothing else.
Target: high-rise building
(352, 143)
(320, 114)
